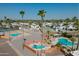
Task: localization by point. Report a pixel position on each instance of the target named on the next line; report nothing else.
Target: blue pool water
(65, 41)
(15, 34)
(38, 46)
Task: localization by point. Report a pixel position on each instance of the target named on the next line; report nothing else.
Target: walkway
(5, 49)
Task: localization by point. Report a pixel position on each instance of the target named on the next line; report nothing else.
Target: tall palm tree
(22, 15)
(76, 20)
(77, 43)
(1, 23)
(8, 21)
(41, 13)
(73, 40)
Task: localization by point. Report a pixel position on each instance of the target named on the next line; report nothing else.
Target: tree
(76, 21)
(67, 20)
(73, 40)
(1, 23)
(48, 32)
(8, 21)
(22, 13)
(41, 13)
(64, 34)
(74, 18)
(77, 43)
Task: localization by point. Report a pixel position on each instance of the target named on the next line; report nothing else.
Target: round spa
(38, 46)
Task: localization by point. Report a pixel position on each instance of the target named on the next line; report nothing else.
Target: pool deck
(6, 49)
(18, 42)
(55, 52)
(52, 51)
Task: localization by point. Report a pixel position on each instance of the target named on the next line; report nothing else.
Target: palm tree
(76, 20)
(41, 13)
(22, 15)
(1, 23)
(78, 35)
(8, 21)
(77, 43)
(73, 40)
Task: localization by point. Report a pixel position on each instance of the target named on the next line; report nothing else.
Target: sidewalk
(6, 50)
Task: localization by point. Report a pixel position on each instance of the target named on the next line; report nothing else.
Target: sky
(53, 10)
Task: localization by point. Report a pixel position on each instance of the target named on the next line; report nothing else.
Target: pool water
(15, 34)
(65, 41)
(38, 46)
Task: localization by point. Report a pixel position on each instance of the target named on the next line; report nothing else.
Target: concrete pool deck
(52, 51)
(28, 44)
(6, 49)
(17, 43)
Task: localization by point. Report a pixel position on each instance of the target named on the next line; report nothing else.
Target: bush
(58, 45)
(69, 36)
(51, 35)
(64, 34)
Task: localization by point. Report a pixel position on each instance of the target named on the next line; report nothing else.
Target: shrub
(64, 34)
(69, 36)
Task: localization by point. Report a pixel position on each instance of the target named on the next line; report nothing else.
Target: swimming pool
(38, 46)
(65, 41)
(15, 34)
